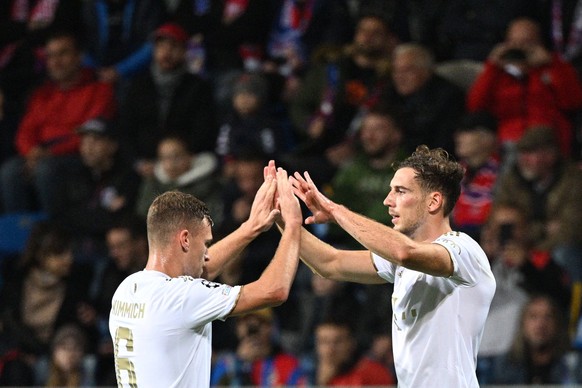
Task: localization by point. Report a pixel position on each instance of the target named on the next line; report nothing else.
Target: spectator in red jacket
(523, 84)
(46, 136)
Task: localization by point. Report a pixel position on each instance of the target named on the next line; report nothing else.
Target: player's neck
(162, 261)
(432, 229)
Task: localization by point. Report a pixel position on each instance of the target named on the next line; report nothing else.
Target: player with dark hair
(443, 283)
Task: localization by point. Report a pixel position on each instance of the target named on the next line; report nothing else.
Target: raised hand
(270, 170)
(320, 206)
(263, 213)
(288, 203)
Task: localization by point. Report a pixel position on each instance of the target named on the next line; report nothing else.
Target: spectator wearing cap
(96, 190)
(46, 136)
(248, 125)
(258, 360)
(547, 187)
(167, 100)
(476, 149)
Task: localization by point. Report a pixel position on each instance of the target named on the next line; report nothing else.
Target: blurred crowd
(104, 104)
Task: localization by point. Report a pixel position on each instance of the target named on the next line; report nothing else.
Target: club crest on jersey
(209, 284)
(226, 290)
(451, 244)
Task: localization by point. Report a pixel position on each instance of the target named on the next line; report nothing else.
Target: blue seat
(14, 231)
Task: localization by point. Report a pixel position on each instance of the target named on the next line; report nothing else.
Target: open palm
(320, 206)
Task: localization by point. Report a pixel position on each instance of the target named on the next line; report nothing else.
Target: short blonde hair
(172, 211)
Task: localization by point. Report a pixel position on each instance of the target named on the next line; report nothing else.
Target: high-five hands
(263, 211)
(320, 206)
(286, 200)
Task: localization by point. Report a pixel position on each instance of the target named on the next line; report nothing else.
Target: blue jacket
(140, 19)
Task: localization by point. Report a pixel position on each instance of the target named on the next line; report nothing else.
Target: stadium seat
(14, 231)
(461, 72)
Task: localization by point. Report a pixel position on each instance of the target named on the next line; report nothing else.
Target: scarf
(166, 84)
(570, 49)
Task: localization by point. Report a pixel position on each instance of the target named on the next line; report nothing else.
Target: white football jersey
(162, 328)
(438, 322)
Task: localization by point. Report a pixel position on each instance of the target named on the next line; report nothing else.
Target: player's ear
(435, 201)
(184, 239)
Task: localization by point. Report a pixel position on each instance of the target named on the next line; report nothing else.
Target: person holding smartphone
(524, 84)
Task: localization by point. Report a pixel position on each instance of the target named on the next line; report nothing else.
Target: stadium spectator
(259, 360)
(547, 187)
(381, 350)
(235, 35)
(96, 190)
(338, 360)
(128, 251)
(430, 104)
(24, 27)
(477, 150)
(300, 29)
(362, 183)
(239, 193)
(46, 289)
(538, 354)
(46, 137)
(332, 93)
(519, 272)
(523, 85)
(117, 34)
(166, 100)
(318, 297)
(177, 168)
(559, 21)
(249, 123)
(69, 364)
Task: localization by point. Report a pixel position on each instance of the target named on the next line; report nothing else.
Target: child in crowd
(249, 124)
(178, 168)
(68, 364)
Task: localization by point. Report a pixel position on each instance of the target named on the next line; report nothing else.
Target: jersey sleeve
(205, 301)
(384, 268)
(468, 259)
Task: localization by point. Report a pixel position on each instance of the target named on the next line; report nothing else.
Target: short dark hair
(135, 225)
(388, 110)
(65, 33)
(46, 238)
(436, 171)
(171, 211)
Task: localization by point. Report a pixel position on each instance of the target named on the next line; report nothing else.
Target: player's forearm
(228, 249)
(376, 237)
(278, 277)
(315, 253)
(318, 255)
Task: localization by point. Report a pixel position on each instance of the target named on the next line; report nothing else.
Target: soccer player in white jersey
(161, 317)
(443, 283)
